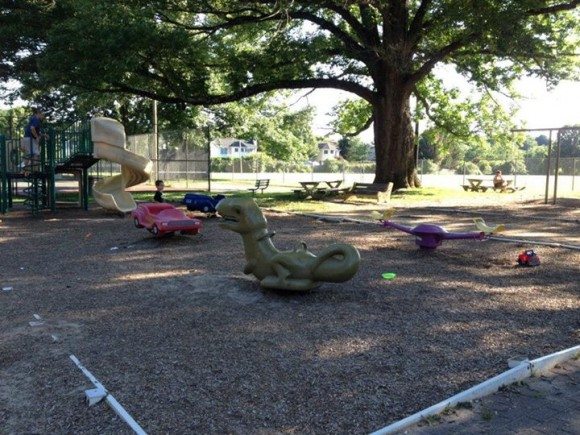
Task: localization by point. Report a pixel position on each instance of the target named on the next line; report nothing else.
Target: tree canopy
(211, 52)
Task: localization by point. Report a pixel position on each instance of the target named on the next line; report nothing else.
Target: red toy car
(528, 258)
(161, 219)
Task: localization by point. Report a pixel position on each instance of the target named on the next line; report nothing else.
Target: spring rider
(298, 269)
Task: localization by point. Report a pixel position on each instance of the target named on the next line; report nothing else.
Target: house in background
(328, 150)
(232, 147)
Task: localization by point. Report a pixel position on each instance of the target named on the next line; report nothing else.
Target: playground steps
(36, 191)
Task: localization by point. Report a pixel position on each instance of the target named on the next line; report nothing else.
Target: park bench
(381, 191)
(261, 184)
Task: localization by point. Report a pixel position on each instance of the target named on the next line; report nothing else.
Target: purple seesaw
(429, 236)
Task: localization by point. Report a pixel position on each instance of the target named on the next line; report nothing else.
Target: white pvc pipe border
(518, 373)
(110, 399)
(501, 239)
(535, 242)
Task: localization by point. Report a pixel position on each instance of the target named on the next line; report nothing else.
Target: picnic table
(312, 189)
(483, 184)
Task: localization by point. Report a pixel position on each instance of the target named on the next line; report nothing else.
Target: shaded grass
(287, 201)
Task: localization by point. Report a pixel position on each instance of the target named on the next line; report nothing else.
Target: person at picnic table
(498, 181)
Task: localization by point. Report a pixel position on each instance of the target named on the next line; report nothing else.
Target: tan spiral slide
(108, 138)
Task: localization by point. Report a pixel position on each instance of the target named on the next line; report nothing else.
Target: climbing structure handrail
(72, 141)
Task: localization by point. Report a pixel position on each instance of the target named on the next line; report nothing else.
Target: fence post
(155, 138)
(573, 171)
(557, 167)
(3, 176)
(208, 133)
(548, 163)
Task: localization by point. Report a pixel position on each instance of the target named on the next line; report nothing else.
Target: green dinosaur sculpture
(298, 269)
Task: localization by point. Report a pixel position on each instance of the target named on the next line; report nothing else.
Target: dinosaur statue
(299, 269)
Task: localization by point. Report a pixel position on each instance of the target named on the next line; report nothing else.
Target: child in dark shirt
(159, 194)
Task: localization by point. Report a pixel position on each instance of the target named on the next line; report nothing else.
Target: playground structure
(71, 150)
(108, 138)
(296, 270)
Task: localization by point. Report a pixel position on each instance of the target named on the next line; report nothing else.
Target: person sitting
(160, 185)
(498, 181)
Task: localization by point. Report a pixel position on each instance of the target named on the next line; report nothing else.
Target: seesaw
(481, 226)
(430, 236)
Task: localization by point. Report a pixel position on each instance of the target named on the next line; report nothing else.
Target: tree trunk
(394, 138)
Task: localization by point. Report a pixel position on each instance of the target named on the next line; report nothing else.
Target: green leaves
(281, 133)
(202, 53)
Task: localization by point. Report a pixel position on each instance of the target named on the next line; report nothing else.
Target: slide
(108, 138)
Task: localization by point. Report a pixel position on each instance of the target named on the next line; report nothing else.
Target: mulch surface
(188, 344)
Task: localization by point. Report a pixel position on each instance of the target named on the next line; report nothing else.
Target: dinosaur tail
(337, 263)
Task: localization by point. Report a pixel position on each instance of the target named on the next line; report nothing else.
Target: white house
(328, 150)
(232, 147)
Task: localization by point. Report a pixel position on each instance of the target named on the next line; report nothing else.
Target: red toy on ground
(528, 258)
(162, 218)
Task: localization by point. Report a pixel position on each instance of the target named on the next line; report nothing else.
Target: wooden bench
(382, 191)
(260, 185)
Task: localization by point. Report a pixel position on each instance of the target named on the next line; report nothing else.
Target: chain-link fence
(181, 156)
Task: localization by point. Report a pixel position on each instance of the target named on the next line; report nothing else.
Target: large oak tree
(384, 51)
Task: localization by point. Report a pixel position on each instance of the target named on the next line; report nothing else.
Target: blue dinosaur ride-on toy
(202, 203)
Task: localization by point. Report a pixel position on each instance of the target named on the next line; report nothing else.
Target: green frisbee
(389, 275)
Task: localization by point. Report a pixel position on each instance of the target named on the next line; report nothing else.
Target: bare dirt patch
(188, 344)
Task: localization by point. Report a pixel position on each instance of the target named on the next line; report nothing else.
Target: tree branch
(346, 39)
(417, 23)
(554, 8)
(433, 118)
(360, 30)
(249, 91)
(366, 125)
(231, 22)
(439, 56)
(349, 42)
(370, 24)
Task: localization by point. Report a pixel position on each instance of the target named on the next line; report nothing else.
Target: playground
(289, 217)
(187, 343)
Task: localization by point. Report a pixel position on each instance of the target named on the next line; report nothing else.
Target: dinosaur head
(241, 215)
